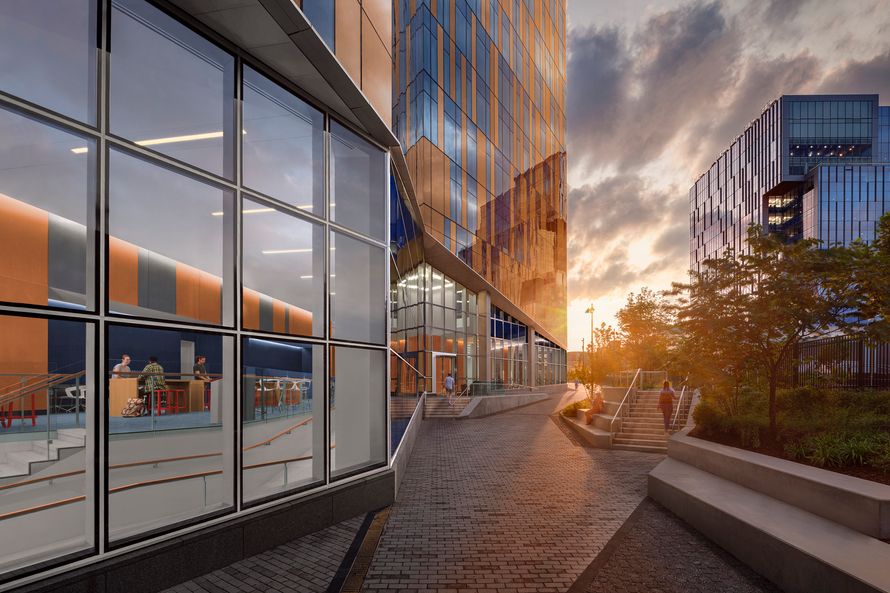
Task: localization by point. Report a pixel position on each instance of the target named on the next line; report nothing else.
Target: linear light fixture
(168, 140)
(246, 211)
(309, 277)
(280, 251)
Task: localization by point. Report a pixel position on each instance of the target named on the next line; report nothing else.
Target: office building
(479, 106)
(813, 166)
(228, 269)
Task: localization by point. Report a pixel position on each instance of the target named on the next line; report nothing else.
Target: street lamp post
(590, 311)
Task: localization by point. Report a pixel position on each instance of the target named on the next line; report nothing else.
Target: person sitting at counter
(152, 378)
(200, 368)
(123, 367)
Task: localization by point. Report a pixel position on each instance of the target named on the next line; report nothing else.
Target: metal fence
(851, 362)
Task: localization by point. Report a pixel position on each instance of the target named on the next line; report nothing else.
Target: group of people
(152, 376)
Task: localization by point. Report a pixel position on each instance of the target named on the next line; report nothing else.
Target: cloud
(870, 76)
(606, 218)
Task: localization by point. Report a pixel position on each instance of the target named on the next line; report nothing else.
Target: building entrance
(443, 363)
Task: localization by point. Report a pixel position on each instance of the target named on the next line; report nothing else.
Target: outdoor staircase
(642, 428)
(438, 407)
(24, 458)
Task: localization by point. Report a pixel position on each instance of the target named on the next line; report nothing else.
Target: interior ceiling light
(280, 251)
(167, 140)
(247, 211)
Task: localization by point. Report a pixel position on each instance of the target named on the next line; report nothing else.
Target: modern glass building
(809, 167)
(225, 281)
(479, 107)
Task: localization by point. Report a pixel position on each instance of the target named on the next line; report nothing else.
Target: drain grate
(351, 576)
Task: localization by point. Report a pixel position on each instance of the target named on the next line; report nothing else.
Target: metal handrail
(408, 363)
(624, 399)
(49, 380)
(680, 403)
(464, 393)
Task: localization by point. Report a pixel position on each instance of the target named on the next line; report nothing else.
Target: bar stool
(174, 401)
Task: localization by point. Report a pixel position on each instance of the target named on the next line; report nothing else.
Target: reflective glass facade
(844, 203)
(550, 361)
(479, 96)
(508, 349)
(193, 305)
(783, 172)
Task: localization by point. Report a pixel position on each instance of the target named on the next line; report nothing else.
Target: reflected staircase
(20, 459)
(642, 428)
(437, 406)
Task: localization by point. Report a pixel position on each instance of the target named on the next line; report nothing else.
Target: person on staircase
(666, 404)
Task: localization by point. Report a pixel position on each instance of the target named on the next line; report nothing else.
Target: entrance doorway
(443, 363)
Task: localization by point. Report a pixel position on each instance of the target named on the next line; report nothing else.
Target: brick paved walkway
(658, 552)
(504, 503)
(308, 565)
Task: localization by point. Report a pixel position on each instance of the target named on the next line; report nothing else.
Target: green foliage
(571, 410)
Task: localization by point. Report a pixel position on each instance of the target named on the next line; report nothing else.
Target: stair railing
(455, 399)
(623, 401)
(679, 404)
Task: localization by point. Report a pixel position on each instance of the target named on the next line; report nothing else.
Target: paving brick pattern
(305, 565)
(660, 553)
(504, 503)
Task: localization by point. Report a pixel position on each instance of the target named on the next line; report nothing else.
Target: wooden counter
(119, 391)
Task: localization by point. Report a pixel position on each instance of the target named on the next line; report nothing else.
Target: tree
(754, 308)
(646, 322)
(862, 278)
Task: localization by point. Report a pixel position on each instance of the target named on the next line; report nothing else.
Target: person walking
(449, 387)
(666, 404)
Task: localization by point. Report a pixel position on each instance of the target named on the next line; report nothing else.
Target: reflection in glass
(358, 183)
(170, 423)
(47, 211)
(158, 63)
(46, 449)
(282, 416)
(358, 409)
(283, 272)
(358, 290)
(48, 54)
(170, 252)
(283, 144)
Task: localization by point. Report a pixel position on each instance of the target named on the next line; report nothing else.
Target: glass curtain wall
(508, 348)
(550, 361)
(437, 316)
(121, 334)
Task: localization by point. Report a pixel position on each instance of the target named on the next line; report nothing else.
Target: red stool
(174, 401)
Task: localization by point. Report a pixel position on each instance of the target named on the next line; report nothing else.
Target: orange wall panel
(23, 349)
(346, 37)
(250, 315)
(300, 321)
(24, 268)
(376, 67)
(123, 272)
(278, 313)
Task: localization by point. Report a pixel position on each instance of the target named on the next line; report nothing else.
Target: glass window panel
(50, 428)
(321, 14)
(283, 259)
(358, 409)
(47, 212)
(170, 243)
(283, 144)
(282, 411)
(158, 63)
(358, 288)
(50, 60)
(358, 183)
(174, 462)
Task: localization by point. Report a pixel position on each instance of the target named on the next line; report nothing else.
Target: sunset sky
(656, 90)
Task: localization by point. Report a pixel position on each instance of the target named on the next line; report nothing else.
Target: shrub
(572, 409)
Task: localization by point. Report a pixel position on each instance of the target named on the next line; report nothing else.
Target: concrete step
(22, 460)
(628, 439)
(639, 448)
(76, 436)
(797, 550)
(642, 431)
